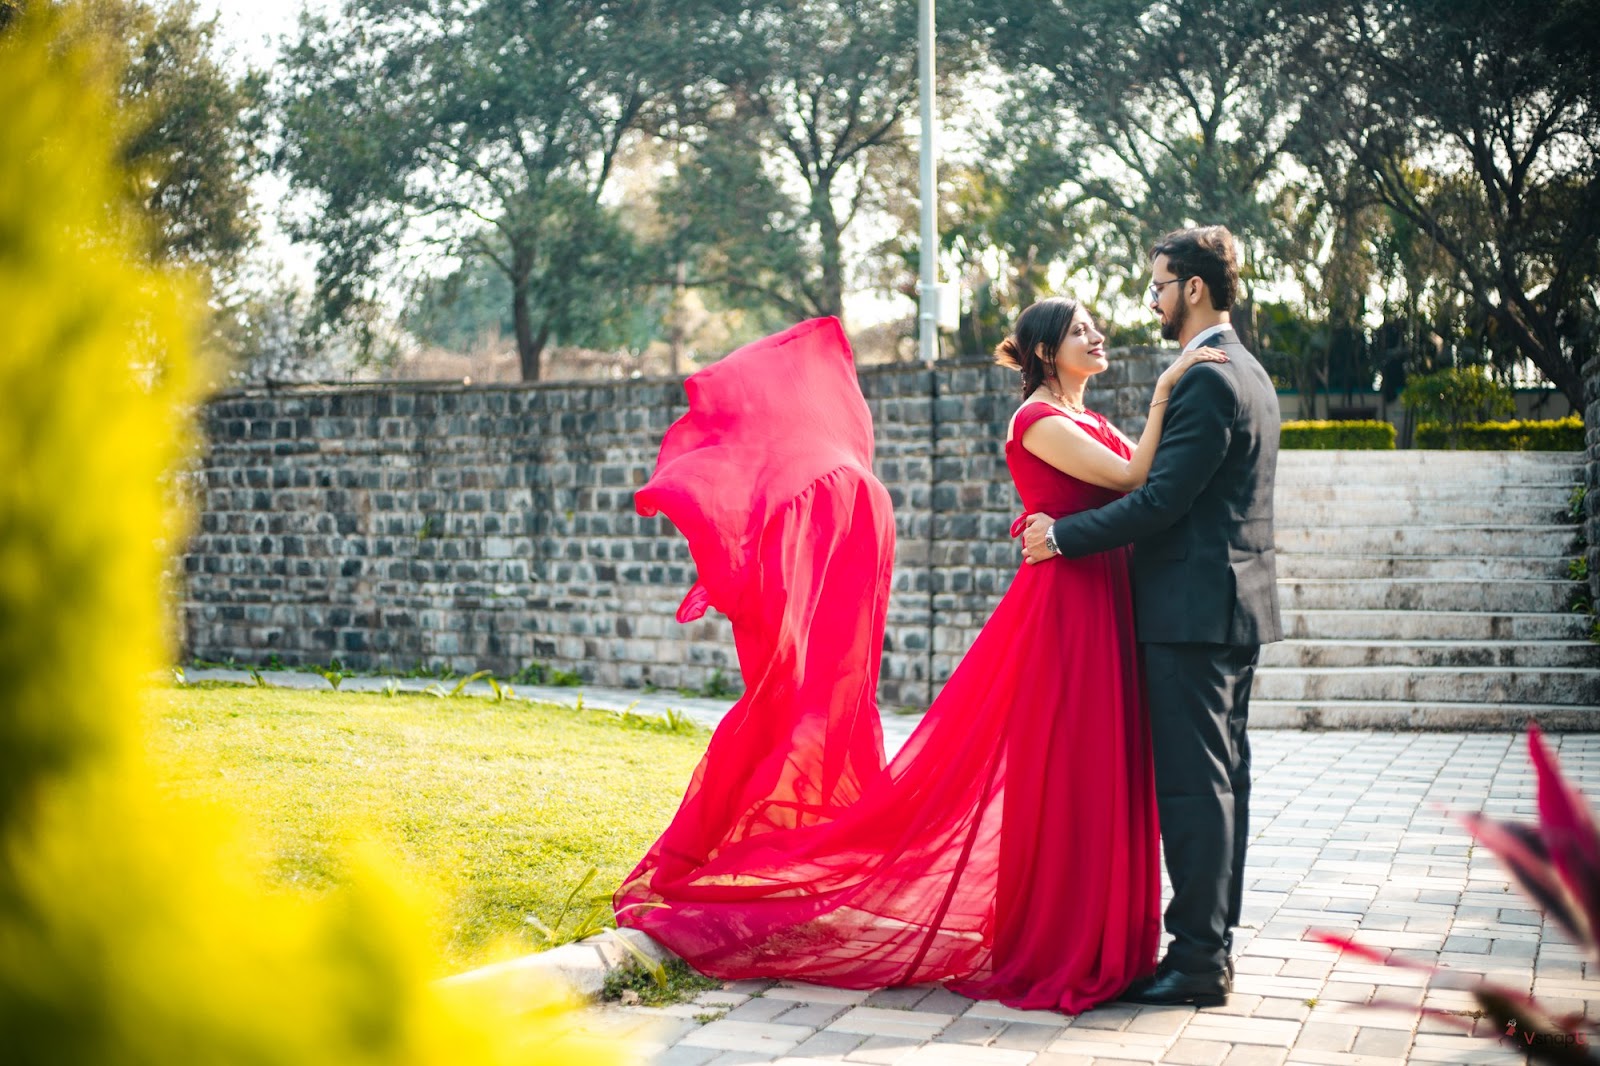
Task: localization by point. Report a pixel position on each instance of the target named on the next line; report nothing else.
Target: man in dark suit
(1205, 600)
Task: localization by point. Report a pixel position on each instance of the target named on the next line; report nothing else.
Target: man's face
(1166, 299)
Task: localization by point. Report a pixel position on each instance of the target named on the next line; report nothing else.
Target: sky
(251, 27)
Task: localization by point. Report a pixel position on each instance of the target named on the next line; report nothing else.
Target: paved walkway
(707, 712)
(1353, 832)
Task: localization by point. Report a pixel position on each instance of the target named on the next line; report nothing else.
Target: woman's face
(1082, 351)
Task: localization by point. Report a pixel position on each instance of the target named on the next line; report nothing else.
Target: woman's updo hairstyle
(1042, 325)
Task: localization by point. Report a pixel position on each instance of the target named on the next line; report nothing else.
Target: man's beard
(1172, 325)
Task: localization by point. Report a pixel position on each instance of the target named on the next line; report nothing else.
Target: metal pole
(927, 289)
(928, 314)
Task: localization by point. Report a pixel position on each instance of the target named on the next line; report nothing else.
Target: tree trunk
(529, 344)
(675, 330)
(1243, 319)
(1539, 344)
(1026, 294)
(832, 295)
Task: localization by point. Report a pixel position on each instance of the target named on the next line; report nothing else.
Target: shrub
(1550, 435)
(545, 674)
(1327, 436)
(137, 928)
(1457, 396)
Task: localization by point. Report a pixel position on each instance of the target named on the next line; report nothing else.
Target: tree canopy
(190, 128)
(1475, 122)
(480, 129)
(802, 134)
(1413, 183)
(1162, 114)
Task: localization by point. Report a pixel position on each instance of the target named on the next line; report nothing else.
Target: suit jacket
(1201, 526)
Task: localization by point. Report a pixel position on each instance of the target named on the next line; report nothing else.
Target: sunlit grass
(508, 804)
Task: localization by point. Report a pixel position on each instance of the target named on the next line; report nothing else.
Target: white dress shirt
(1205, 335)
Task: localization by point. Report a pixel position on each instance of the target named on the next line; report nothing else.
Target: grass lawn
(507, 804)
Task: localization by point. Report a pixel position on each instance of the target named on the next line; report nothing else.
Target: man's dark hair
(1205, 252)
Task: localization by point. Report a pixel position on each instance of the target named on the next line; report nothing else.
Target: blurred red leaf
(1570, 837)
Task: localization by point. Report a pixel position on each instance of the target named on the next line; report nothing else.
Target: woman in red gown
(1010, 848)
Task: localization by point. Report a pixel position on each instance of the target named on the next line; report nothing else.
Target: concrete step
(1438, 467)
(1519, 494)
(1450, 684)
(1427, 590)
(1303, 654)
(1425, 455)
(1399, 478)
(1409, 512)
(1424, 594)
(1477, 567)
(1525, 541)
(1406, 715)
(1433, 625)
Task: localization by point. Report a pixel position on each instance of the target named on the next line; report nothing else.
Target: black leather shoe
(1169, 987)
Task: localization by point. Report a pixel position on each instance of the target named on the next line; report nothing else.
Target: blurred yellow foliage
(133, 928)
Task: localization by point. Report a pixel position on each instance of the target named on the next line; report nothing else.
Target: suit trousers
(1199, 697)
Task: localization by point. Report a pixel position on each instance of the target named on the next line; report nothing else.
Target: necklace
(1075, 408)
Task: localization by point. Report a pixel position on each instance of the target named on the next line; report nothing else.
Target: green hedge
(1327, 436)
(1551, 435)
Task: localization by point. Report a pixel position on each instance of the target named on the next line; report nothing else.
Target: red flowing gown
(1010, 848)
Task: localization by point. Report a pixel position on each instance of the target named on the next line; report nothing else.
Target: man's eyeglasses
(1157, 286)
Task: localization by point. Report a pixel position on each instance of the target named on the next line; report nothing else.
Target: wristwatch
(1050, 541)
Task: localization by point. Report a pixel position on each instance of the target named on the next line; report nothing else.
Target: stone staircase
(1427, 590)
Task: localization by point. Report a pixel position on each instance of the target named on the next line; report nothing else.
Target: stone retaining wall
(490, 527)
(1591, 429)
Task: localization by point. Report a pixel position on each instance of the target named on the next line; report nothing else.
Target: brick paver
(1351, 833)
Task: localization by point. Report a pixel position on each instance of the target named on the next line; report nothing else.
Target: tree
(189, 127)
(1169, 112)
(273, 335)
(1006, 225)
(457, 309)
(1478, 123)
(193, 150)
(798, 138)
(461, 307)
(480, 129)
